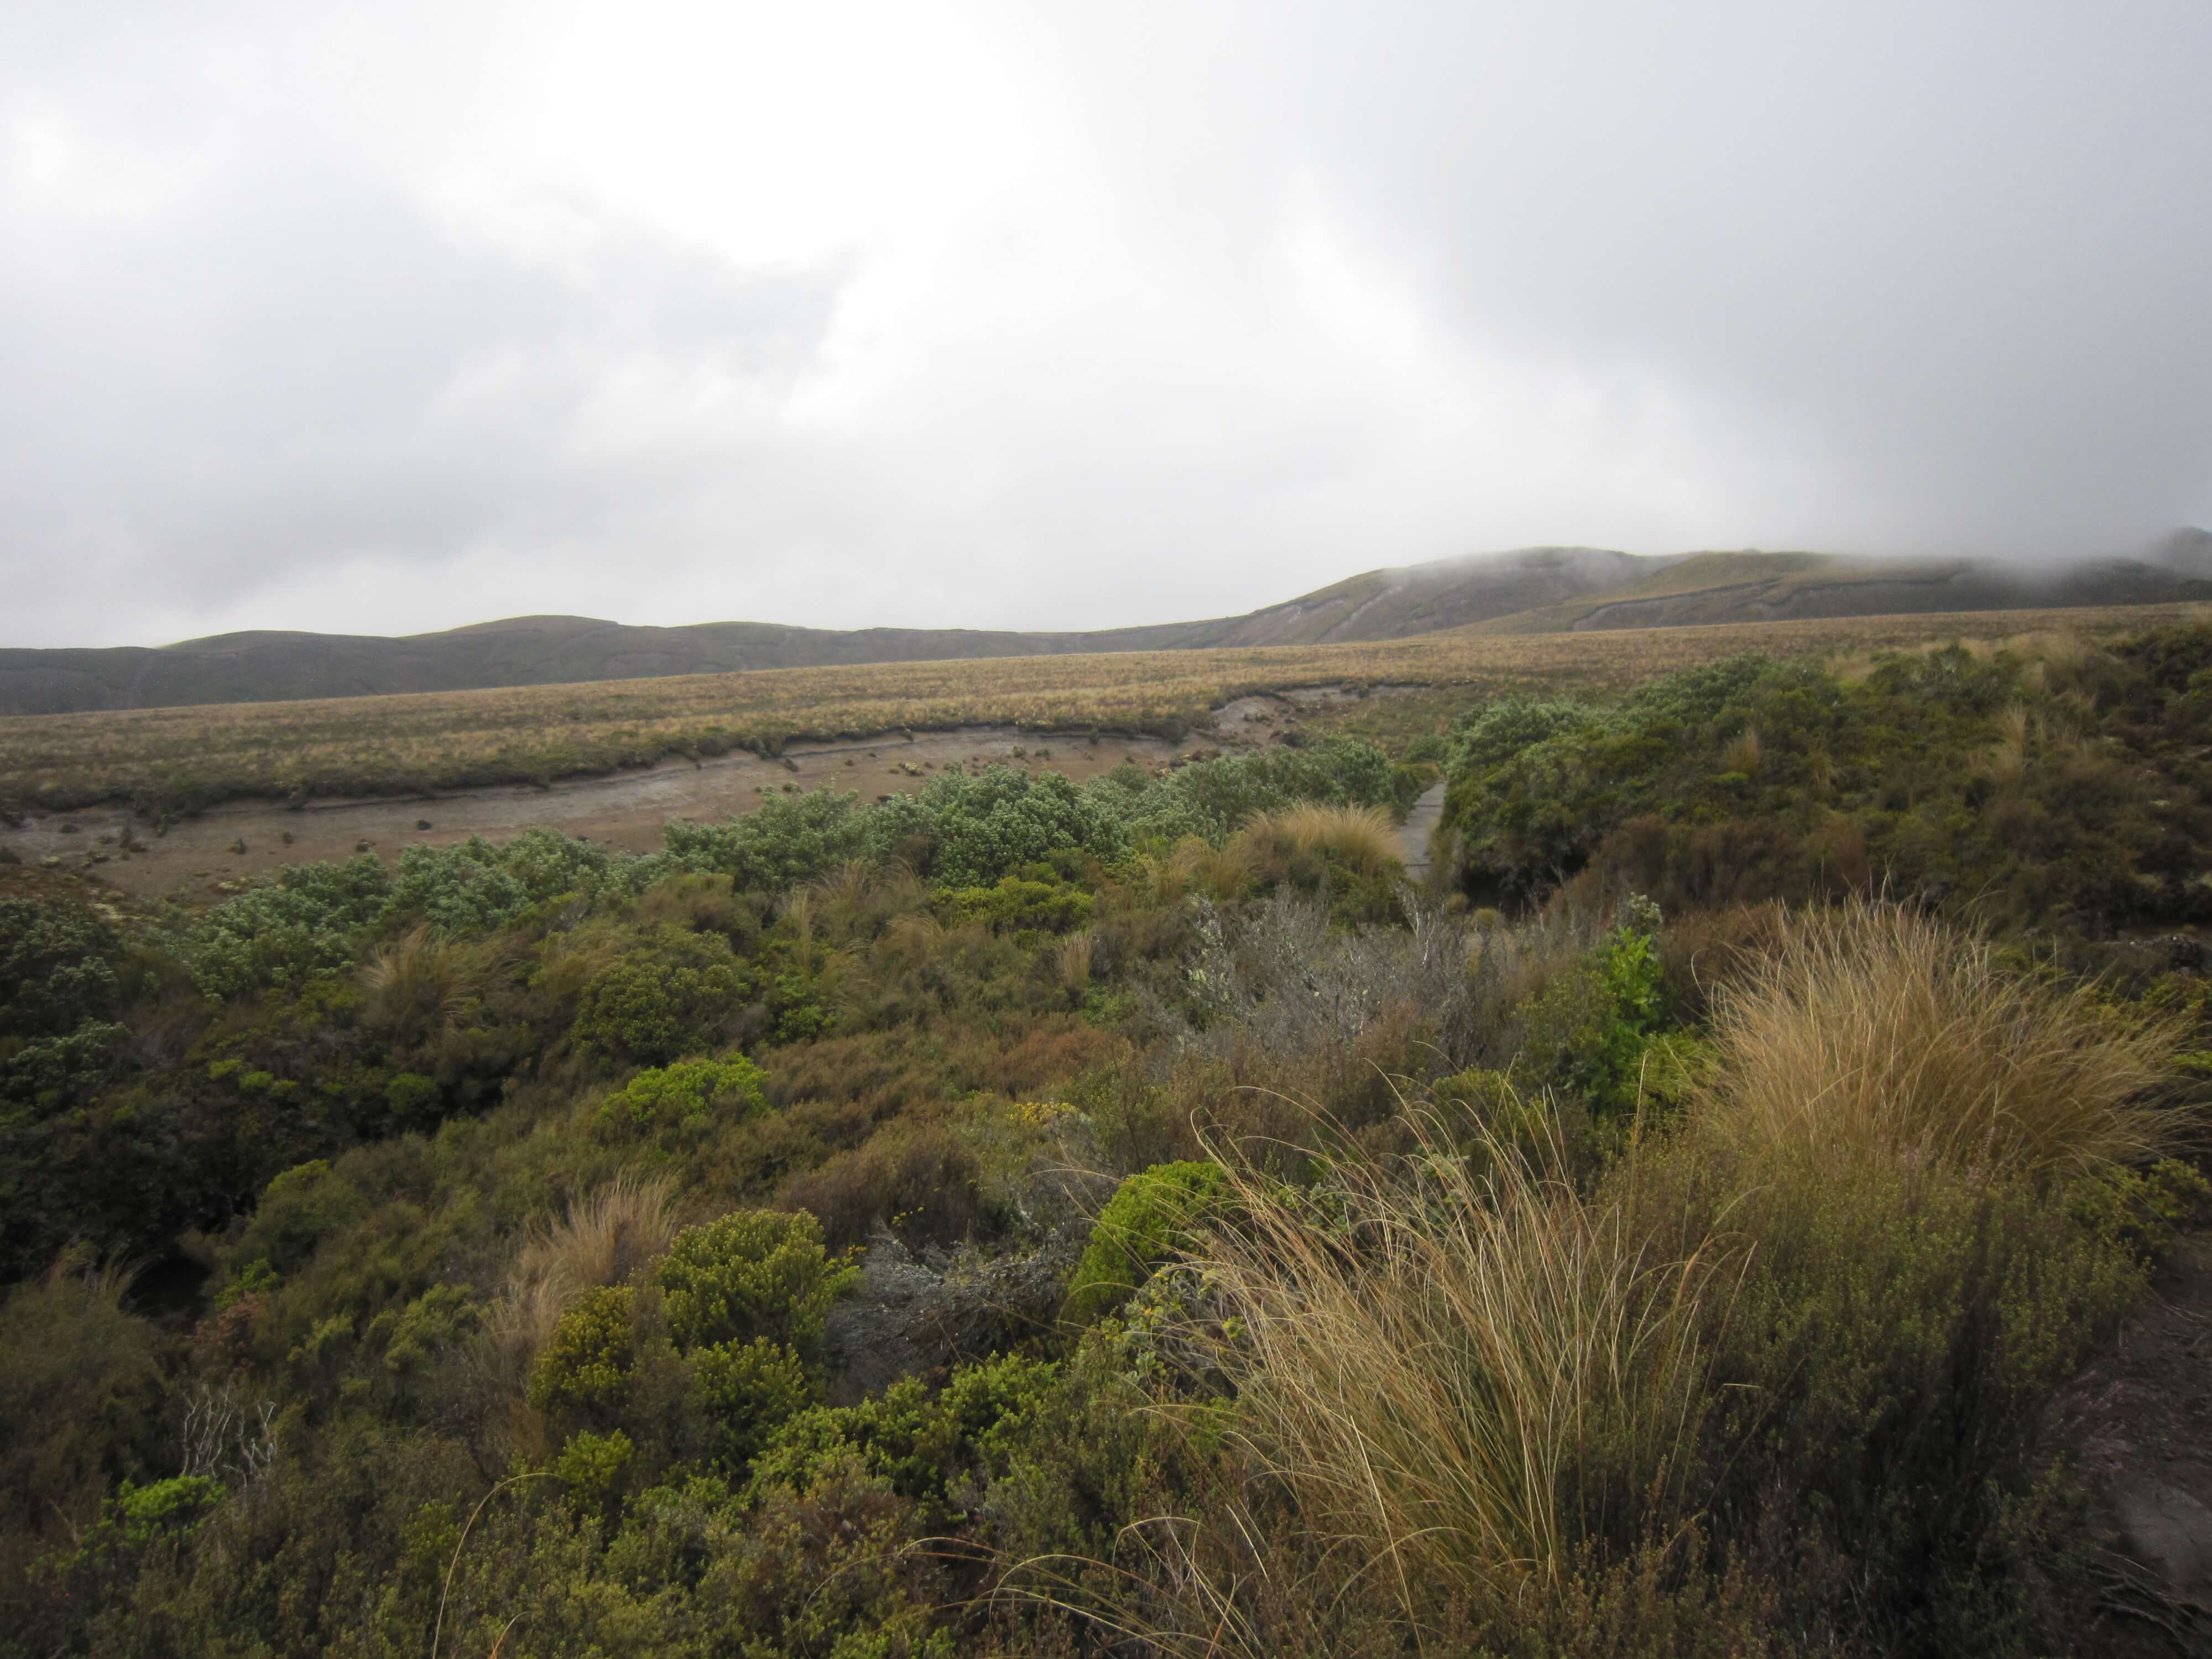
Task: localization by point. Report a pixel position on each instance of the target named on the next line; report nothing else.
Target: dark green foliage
(1588, 1032)
(668, 998)
(1143, 1225)
(1892, 1344)
(747, 1391)
(57, 970)
(57, 992)
(2035, 791)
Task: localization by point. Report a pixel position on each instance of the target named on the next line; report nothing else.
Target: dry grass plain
(168, 760)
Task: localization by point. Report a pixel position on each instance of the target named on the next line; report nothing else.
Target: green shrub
(985, 826)
(413, 1097)
(747, 1391)
(689, 1094)
(433, 1324)
(137, 1516)
(787, 840)
(1015, 904)
(588, 1364)
(752, 1273)
(1143, 1225)
(1590, 1030)
(299, 1209)
(592, 1468)
(477, 886)
(56, 969)
(919, 1446)
(303, 924)
(662, 1001)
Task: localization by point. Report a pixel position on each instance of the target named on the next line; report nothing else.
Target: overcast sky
(386, 318)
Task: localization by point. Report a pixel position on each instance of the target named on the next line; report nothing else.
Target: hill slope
(1751, 587)
(1527, 591)
(272, 667)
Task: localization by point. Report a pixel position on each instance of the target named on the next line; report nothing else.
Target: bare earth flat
(628, 810)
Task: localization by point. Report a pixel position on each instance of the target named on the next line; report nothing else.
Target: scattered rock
(2169, 1531)
(924, 1314)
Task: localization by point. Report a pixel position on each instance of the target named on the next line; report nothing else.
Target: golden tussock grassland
(172, 759)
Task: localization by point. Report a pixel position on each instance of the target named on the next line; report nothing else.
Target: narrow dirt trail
(1421, 821)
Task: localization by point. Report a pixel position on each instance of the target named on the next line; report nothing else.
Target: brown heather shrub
(698, 903)
(858, 900)
(571, 961)
(917, 1179)
(1870, 1029)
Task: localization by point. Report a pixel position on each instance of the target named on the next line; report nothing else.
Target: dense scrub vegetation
(1032, 1218)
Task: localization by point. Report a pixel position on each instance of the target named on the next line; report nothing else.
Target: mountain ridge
(1522, 590)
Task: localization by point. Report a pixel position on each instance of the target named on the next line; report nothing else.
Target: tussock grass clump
(424, 982)
(600, 1240)
(1871, 1030)
(1465, 1368)
(1361, 839)
(1219, 872)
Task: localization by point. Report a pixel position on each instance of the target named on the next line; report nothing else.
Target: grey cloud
(1880, 276)
(1959, 247)
(288, 383)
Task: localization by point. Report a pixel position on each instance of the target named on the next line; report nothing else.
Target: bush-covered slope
(1026, 1218)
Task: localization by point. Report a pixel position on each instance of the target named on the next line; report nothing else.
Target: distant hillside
(1749, 588)
(1528, 591)
(265, 667)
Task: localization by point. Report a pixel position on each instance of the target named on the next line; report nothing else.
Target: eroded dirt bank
(199, 855)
